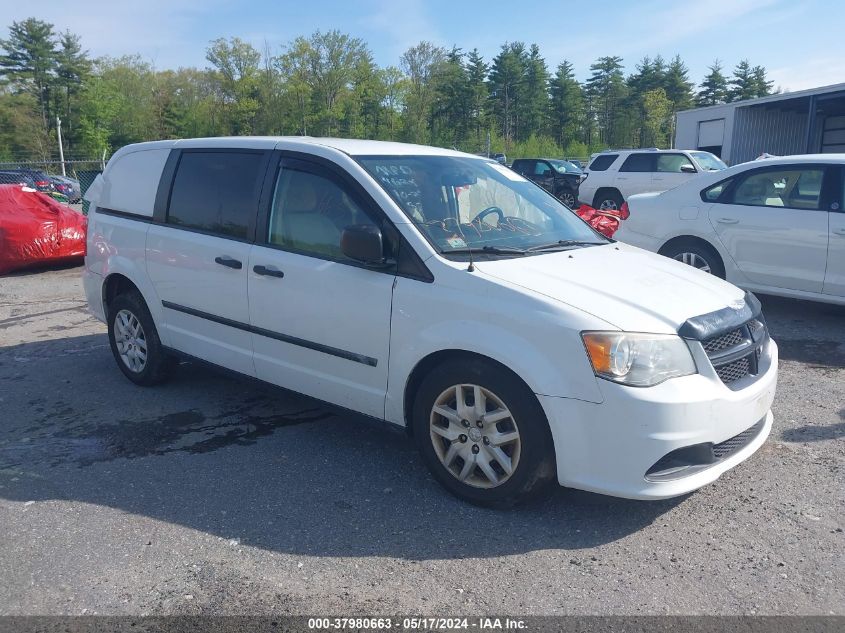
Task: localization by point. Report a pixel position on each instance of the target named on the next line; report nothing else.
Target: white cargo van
(438, 291)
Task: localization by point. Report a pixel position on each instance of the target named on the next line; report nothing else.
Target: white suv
(612, 176)
(438, 291)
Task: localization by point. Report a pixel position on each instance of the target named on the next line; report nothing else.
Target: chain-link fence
(84, 171)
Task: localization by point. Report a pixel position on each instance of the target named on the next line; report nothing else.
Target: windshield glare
(461, 203)
(708, 161)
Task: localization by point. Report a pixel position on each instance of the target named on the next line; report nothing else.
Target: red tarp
(35, 229)
(605, 222)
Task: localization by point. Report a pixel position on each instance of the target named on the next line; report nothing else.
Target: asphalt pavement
(214, 495)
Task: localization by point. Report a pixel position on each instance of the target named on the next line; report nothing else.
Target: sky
(800, 42)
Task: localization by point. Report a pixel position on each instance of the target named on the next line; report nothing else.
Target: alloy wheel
(568, 199)
(608, 205)
(695, 260)
(131, 341)
(475, 436)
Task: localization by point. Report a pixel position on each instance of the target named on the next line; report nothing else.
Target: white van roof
(353, 147)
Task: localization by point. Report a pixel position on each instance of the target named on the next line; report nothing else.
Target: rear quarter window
(216, 192)
(602, 162)
(714, 192)
(639, 163)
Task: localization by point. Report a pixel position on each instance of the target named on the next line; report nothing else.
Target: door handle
(229, 262)
(839, 231)
(268, 271)
(727, 221)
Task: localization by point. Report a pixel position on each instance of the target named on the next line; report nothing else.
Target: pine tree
(507, 86)
(650, 75)
(762, 84)
(743, 84)
(30, 61)
(567, 105)
(452, 103)
(72, 69)
(677, 85)
(477, 70)
(535, 106)
(607, 91)
(714, 88)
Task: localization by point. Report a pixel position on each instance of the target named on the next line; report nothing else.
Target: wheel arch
(114, 285)
(122, 280)
(432, 360)
(690, 239)
(604, 190)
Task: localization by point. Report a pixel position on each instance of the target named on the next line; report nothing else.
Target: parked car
(523, 346)
(41, 180)
(67, 186)
(35, 230)
(775, 226)
(16, 178)
(559, 177)
(615, 175)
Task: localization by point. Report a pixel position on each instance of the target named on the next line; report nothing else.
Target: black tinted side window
(601, 163)
(523, 167)
(216, 192)
(639, 162)
(712, 194)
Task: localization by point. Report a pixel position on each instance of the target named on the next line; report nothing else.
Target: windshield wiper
(563, 244)
(491, 250)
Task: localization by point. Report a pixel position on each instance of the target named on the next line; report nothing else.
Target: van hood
(630, 288)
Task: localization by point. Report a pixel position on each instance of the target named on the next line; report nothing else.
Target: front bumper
(609, 447)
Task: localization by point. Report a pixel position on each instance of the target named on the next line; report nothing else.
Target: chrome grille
(734, 371)
(718, 343)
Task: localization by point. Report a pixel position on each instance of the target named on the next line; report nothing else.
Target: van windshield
(471, 204)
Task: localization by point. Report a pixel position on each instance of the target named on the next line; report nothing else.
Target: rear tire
(494, 462)
(696, 254)
(134, 341)
(608, 200)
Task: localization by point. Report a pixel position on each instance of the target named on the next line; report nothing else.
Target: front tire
(134, 341)
(698, 255)
(482, 433)
(569, 199)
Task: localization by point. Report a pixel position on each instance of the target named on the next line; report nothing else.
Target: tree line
(328, 84)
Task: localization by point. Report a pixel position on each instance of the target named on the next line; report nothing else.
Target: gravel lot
(216, 495)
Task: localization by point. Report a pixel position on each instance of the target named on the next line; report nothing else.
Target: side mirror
(363, 243)
(687, 169)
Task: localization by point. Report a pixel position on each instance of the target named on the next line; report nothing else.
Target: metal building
(804, 122)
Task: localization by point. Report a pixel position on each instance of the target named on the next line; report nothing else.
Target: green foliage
(714, 88)
(328, 84)
(536, 146)
(606, 93)
(567, 106)
(748, 82)
(658, 112)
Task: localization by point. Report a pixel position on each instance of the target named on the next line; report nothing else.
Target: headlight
(639, 360)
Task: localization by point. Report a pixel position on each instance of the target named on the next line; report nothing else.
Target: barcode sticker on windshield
(507, 172)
